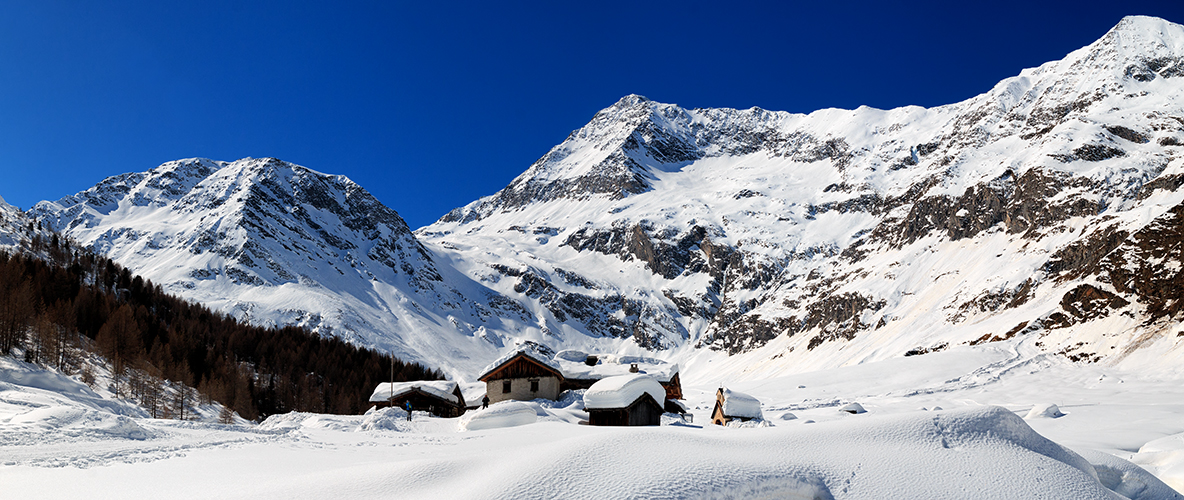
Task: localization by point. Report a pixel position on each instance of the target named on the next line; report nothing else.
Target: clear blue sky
(430, 105)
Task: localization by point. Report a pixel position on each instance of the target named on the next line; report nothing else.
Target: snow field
(1122, 429)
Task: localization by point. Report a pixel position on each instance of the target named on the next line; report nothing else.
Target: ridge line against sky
(430, 107)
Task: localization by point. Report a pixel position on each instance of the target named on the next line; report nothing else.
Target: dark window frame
(534, 385)
(505, 386)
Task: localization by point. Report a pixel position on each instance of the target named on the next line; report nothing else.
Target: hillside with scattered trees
(58, 302)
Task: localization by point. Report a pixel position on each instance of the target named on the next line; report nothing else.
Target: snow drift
(501, 414)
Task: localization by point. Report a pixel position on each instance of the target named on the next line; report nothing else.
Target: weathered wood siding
(673, 388)
(422, 401)
(643, 411)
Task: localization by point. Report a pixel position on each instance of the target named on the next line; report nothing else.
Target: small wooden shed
(625, 400)
(441, 398)
(732, 405)
(522, 375)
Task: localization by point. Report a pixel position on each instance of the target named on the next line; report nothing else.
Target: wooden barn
(441, 398)
(731, 405)
(625, 400)
(522, 375)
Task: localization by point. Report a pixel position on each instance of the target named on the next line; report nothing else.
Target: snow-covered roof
(572, 364)
(738, 404)
(545, 361)
(472, 392)
(440, 388)
(622, 390)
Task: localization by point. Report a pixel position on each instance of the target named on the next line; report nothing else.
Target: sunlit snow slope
(276, 243)
(1048, 206)
(763, 242)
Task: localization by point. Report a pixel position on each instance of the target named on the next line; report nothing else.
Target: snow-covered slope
(12, 226)
(763, 242)
(1046, 206)
(276, 243)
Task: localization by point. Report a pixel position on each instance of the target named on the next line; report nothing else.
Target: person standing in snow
(484, 401)
(408, 410)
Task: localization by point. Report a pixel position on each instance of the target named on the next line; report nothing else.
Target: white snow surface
(473, 392)
(1124, 435)
(442, 389)
(572, 364)
(739, 404)
(457, 293)
(498, 415)
(854, 408)
(622, 390)
(1044, 410)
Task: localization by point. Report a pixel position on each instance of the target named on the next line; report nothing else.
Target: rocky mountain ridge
(766, 242)
(277, 244)
(840, 232)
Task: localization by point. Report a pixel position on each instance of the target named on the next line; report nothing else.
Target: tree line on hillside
(56, 300)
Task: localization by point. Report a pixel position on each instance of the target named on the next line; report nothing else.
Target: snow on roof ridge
(526, 351)
(442, 389)
(622, 390)
(611, 365)
(739, 404)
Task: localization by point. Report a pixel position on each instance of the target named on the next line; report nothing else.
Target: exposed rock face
(843, 230)
(15, 228)
(1045, 208)
(1146, 267)
(276, 243)
(225, 215)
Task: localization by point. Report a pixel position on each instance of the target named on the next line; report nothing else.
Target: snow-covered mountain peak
(260, 221)
(1137, 51)
(276, 243)
(737, 229)
(767, 240)
(1143, 37)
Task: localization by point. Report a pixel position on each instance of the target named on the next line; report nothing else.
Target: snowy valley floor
(59, 440)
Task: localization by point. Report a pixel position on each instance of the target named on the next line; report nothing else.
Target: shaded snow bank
(39, 405)
(1128, 479)
(1165, 458)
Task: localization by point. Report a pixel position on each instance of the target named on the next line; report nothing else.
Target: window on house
(505, 386)
(534, 386)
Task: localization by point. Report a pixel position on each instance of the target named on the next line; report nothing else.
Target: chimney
(633, 368)
(591, 360)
